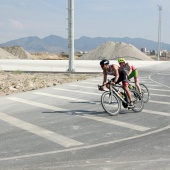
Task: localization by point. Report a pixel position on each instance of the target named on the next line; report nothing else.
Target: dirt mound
(18, 52)
(6, 55)
(111, 50)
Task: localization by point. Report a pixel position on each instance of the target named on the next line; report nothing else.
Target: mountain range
(57, 44)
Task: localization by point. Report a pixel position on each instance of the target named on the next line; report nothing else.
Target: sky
(92, 18)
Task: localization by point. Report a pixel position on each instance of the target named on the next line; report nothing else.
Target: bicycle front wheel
(145, 92)
(110, 103)
(137, 101)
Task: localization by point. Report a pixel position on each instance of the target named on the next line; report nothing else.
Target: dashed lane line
(78, 91)
(66, 98)
(118, 123)
(41, 105)
(49, 135)
(159, 102)
(96, 88)
(104, 120)
(61, 97)
(89, 87)
(156, 112)
(85, 82)
(159, 89)
(162, 95)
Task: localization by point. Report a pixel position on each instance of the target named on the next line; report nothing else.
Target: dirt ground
(15, 82)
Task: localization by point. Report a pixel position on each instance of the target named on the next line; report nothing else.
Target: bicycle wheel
(110, 103)
(137, 101)
(145, 92)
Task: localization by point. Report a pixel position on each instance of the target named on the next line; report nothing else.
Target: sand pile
(6, 55)
(111, 50)
(18, 52)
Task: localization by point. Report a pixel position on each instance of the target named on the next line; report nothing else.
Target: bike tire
(145, 92)
(137, 101)
(110, 103)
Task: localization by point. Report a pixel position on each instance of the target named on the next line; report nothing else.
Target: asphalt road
(64, 127)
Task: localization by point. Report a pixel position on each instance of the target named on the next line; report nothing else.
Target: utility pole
(159, 31)
(71, 34)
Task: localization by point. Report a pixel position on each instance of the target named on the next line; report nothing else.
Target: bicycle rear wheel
(137, 101)
(110, 103)
(145, 92)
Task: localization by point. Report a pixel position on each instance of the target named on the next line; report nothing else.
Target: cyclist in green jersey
(131, 72)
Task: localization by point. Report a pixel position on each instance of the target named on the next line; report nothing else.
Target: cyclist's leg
(136, 80)
(125, 86)
(124, 78)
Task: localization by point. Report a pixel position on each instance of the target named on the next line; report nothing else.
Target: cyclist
(131, 72)
(120, 76)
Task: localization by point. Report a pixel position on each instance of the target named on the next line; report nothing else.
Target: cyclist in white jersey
(119, 76)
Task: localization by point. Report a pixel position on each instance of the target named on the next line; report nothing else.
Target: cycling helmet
(103, 62)
(121, 60)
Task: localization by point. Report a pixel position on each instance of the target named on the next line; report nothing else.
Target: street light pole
(159, 31)
(71, 34)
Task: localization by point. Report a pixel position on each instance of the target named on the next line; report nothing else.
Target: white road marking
(153, 85)
(85, 82)
(49, 135)
(36, 104)
(159, 102)
(163, 95)
(105, 120)
(156, 112)
(86, 147)
(164, 74)
(159, 89)
(158, 82)
(77, 91)
(61, 97)
(115, 122)
(89, 87)
(66, 98)
(153, 101)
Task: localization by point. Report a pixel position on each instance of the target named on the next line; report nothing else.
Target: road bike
(144, 89)
(115, 97)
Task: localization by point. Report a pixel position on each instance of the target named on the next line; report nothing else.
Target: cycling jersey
(122, 75)
(134, 72)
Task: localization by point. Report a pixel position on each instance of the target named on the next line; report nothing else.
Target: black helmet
(103, 62)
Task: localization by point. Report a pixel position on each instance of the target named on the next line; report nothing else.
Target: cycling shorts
(133, 74)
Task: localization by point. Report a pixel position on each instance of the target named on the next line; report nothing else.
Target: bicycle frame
(116, 92)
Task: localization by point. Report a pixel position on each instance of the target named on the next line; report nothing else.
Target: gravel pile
(17, 52)
(6, 55)
(111, 50)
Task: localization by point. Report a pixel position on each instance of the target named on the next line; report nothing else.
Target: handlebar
(100, 87)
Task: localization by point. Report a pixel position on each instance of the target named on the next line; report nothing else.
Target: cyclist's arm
(130, 68)
(115, 69)
(104, 78)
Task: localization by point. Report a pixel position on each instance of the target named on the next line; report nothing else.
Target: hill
(57, 44)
